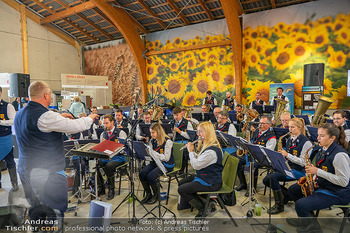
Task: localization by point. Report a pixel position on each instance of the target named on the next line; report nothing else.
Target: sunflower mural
(188, 75)
(277, 55)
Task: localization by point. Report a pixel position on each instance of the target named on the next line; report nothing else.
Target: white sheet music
(156, 159)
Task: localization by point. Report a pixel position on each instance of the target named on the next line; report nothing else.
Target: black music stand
(304, 117)
(167, 128)
(144, 128)
(269, 109)
(274, 161)
(259, 109)
(192, 134)
(233, 117)
(312, 133)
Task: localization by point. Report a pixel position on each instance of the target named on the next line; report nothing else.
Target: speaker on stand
(19, 84)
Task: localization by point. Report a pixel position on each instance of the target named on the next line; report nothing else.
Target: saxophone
(307, 182)
(241, 152)
(279, 145)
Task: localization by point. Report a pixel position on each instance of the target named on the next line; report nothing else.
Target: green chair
(224, 159)
(228, 179)
(346, 211)
(178, 154)
(122, 169)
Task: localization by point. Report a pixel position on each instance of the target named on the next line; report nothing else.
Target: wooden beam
(205, 8)
(235, 30)
(122, 21)
(238, 6)
(142, 3)
(251, 1)
(70, 11)
(200, 46)
(273, 4)
(183, 18)
(24, 38)
(35, 18)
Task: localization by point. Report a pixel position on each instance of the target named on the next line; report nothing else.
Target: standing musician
(208, 165)
(257, 101)
(339, 119)
(229, 102)
(120, 122)
(147, 119)
(210, 100)
(296, 147)
(111, 133)
(162, 147)
(331, 181)
(280, 96)
(137, 114)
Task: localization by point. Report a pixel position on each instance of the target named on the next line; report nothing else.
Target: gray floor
(330, 223)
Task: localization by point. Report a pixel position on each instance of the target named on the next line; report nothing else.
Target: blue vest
(295, 149)
(224, 128)
(212, 174)
(36, 148)
(262, 140)
(209, 101)
(124, 123)
(275, 102)
(114, 137)
(230, 103)
(182, 126)
(213, 120)
(345, 126)
(324, 161)
(4, 130)
(161, 150)
(254, 104)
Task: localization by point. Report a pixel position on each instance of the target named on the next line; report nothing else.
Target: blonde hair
(300, 124)
(161, 135)
(37, 89)
(285, 113)
(210, 137)
(76, 99)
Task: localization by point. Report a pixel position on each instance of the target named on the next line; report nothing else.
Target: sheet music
(156, 159)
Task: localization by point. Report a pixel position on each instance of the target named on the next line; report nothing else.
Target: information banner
(288, 90)
(84, 81)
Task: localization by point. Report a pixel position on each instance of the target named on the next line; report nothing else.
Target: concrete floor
(330, 221)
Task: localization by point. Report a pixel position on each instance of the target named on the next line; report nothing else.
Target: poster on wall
(287, 90)
(278, 43)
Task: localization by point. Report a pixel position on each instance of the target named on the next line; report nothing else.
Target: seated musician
(339, 119)
(111, 133)
(120, 122)
(285, 118)
(332, 172)
(137, 114)
(204, 109)
(180, 126)
(147, 119)
(216, 112)
(210, 101)
(208, 165)
(190, 119)
(151, 110)
(239, 113)
(226, 127)
(257, 101)
(229, 102)
(264, 136)
(96, 124)
(162, 147)
(296, 147)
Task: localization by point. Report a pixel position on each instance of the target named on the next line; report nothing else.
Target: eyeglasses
(222, 118)
(337, 119)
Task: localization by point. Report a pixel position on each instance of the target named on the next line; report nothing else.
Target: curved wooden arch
(128, 29)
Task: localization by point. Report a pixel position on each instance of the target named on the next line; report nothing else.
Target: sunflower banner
(188, 75)
(279, 42)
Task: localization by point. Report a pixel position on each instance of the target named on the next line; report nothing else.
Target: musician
(41, 152)
(339, 119)
(285, 118)
(208, 165)
(296, 147)
(210, 100)
(332, 173)
(96, 124)
(280, 96)
(190, 119)
(224, 125)
(111, 133)
(204, 109)
(230, 102)
(151, 110)
(162, 147)
(264, 136)
(257, 101)
(147, 119)
(214, 119)
(137, 114)
(120, 122)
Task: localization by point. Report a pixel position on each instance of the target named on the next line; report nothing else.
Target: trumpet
(194, 142)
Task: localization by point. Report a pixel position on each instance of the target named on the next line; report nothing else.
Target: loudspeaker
(19, 84)
(313, 74)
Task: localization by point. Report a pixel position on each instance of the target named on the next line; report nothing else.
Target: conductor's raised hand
(94, 116)
(67, 115)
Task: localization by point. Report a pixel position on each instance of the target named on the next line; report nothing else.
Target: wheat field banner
(278, 42)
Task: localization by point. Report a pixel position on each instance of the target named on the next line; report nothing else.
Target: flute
(194, 142)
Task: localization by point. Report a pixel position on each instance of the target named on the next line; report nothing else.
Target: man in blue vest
(280, 96)
(339, 119)
(7, 115)
(41, 152)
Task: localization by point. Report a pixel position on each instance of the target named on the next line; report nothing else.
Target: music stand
(192, 134)
(312, 133)
(259, 109)
(99, 132)
(145, 130)
(233, 117)
(269, 109)
(167, 128)
(274, 161)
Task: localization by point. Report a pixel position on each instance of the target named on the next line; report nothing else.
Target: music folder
(108, 147)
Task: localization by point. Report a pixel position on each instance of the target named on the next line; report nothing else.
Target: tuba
(281, 105)
(307, 182)
(322, 106)
(157, 110)
(251, 115)
(188, 111)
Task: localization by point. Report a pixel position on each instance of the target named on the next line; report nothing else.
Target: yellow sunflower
(228, 74)
(327, 86)
(256, 86)
(203, 54)
(335, 96)
(217, 75)
(154, 89)
(202, 84)
(319, 36)
(300, 37)
(177, 42)
(248, 43)
(300, 51)
(252, 57)
(157, 44)
(151, 70)
(342, 92)
(262, 66)
(174, 65)
(343, 36)
(338, 24)
(282, 59)
(190, 99)
(247, 31)
(297, 79)
(176, 86)
(279, 28)
(245, 67)
(336, 59)
(190, 63)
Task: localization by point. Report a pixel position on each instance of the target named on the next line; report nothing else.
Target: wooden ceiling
(88, 24)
